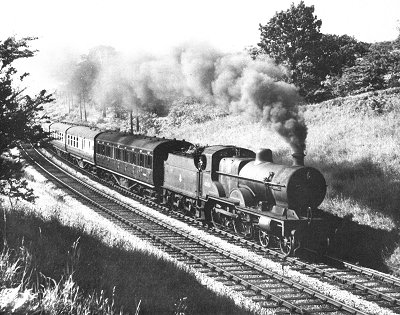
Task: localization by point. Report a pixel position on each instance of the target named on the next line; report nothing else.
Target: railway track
(270, 290)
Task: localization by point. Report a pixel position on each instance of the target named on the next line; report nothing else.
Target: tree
(378, 68)
(337, 52)
(86, 73)
(82, 82)
(19, 115)
(293, 38)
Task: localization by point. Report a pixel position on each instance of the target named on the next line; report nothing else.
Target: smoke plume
(237, 83)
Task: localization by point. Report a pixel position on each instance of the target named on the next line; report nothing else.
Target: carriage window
(141, 159)
(149, 162)
(108, 151)
(132, 157)
(125, 156)
(117, 153)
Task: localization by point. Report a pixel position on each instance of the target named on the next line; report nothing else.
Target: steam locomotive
(222, 185)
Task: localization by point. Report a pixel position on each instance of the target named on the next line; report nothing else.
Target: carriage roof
(138, 141)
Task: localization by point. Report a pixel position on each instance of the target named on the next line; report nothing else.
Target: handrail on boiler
(265, 182)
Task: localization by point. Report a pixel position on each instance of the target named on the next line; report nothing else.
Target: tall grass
(25, 290)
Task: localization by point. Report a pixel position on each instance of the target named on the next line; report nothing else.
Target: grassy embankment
(125, 272)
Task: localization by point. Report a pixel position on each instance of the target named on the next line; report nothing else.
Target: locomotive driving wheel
(244, 227)
(264, 238)
(287, 245)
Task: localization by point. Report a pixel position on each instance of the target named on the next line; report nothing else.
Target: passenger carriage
(58, 132)
(135, 161)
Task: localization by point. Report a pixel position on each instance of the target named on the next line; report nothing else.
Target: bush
(190, 110)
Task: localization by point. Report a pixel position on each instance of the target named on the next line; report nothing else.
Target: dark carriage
(135, 158)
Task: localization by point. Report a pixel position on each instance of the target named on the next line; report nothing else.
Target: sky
(155, 26)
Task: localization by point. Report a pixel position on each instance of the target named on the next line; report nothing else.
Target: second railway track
(265, 287)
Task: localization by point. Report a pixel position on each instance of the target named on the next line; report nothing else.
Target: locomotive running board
(224, 200)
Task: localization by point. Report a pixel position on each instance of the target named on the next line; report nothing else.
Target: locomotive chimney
(298, 158)
(263, 155)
